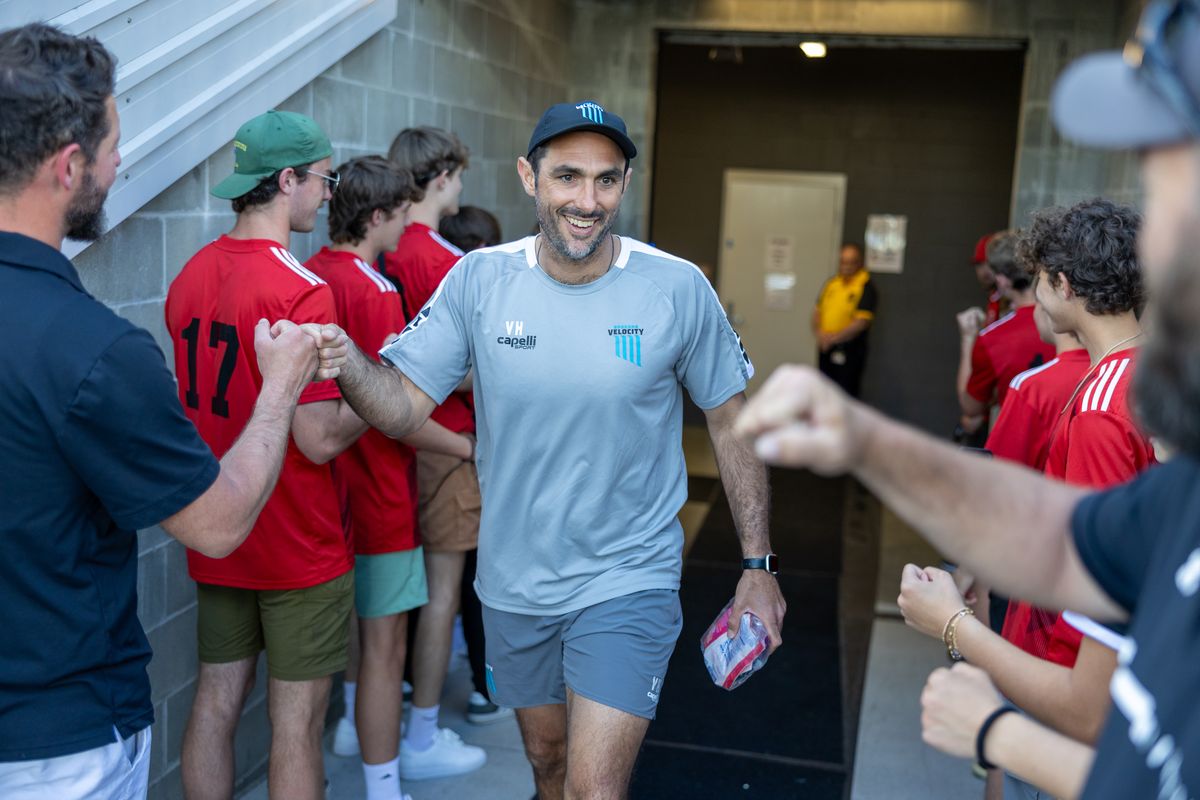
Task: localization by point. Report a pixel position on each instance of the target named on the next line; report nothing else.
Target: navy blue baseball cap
(1146, 96)
(587, 115)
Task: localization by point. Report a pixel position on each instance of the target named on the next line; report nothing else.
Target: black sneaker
(482, 711)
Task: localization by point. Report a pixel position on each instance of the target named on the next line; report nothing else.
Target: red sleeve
(982, 383)
(1104, 450)
(1019, 433)
(380, 316)
(316, 305)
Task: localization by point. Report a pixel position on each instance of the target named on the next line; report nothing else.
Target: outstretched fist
(799, 418)
(285, 353)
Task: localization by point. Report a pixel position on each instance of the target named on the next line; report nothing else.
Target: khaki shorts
(304, 631)
(448, 502)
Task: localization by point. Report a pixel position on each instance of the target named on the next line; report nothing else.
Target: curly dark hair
(54, 89)
(368, 183)
(1092, 244)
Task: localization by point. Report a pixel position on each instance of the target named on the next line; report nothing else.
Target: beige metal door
(781, 233)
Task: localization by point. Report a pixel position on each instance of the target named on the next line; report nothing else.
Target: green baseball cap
(268, 143)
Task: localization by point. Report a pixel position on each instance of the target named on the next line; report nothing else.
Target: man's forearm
(1052, 762)
(217, 522)
(1005, 523)
(378, 394)
(851, 331)
(744, 477)
(436, 438)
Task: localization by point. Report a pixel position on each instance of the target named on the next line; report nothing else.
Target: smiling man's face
(578, 189)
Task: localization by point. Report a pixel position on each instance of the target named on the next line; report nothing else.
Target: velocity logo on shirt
(627, 341)
(516, 338)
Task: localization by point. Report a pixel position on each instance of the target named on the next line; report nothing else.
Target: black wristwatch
(770, 563)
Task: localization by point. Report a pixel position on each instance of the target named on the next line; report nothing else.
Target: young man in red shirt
(448, 488)
(992, 357)
(1088, 285)
(377, 476)
(288, 589)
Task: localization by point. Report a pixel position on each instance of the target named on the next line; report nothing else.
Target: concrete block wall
(483, 69)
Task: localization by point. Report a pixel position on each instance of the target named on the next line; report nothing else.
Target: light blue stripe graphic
(617, 346)
(638, 341)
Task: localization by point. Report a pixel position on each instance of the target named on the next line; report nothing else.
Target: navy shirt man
(93, 443)
(1132, 553)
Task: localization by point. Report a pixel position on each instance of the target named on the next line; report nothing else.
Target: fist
(928, 599)
(333, 348)
(284, 352)
(970, 321)
(799, 418)
(954, 704)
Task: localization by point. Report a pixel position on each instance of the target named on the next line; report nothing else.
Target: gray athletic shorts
(614, 653)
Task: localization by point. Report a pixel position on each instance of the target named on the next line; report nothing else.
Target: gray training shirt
(579, 414)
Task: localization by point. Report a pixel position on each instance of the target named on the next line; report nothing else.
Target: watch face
(772, 563)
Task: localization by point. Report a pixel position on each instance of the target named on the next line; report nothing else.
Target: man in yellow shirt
(844, 311)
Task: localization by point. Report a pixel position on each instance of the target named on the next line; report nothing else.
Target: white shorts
(117, 771)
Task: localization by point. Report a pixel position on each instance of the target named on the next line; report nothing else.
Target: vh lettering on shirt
(514, 336)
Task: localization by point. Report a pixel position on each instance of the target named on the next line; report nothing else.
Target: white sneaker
(448, 756)
(482, 711)
(345, 738)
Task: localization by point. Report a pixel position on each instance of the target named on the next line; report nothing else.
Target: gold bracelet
(950, 633)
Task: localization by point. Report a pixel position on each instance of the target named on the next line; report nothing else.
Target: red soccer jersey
(376, 476)
(1003, 351)
(418, 264)
(1031, 410)
(212, 308)
(1099, 445)
(1032, 406)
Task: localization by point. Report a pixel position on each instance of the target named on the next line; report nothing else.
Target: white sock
(349, 691)
(422, 725)
(383, 780)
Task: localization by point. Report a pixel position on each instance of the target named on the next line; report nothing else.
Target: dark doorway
(928, 133)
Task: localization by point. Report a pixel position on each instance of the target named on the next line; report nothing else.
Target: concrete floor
(892, 763)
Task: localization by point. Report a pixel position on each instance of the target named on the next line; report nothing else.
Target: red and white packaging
(731, 662)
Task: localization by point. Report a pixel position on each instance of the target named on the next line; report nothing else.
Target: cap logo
(592, 112)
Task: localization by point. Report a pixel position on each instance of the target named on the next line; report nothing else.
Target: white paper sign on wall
(885, 240)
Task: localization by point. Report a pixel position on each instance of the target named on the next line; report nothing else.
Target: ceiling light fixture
(813, 49)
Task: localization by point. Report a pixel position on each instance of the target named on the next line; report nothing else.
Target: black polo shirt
(1141, 542)
(93, 446)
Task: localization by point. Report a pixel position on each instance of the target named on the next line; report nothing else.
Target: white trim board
(192, 71)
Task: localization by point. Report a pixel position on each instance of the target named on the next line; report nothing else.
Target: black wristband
(981, 737)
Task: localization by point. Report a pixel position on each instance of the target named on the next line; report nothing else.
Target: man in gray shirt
(581, 343)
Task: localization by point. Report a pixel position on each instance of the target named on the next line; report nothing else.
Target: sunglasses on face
(333, 180)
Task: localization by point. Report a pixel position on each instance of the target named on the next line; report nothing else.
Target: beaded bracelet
(950, 633)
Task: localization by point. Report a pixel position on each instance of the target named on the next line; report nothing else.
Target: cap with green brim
(268, 143)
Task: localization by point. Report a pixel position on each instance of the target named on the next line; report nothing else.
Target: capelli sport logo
(516, 337)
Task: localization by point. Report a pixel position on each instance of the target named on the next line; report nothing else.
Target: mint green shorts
(389, 583)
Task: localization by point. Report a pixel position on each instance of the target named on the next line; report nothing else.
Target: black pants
(847, 374)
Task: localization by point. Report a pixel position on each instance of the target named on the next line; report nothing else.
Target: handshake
(300, 353)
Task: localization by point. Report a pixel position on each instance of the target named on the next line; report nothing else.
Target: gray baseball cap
(1145, 96)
